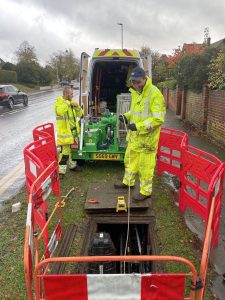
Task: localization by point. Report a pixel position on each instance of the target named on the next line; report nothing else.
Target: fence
(205, 111)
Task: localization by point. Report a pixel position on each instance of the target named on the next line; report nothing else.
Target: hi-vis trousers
(142, 164)
(65, 158)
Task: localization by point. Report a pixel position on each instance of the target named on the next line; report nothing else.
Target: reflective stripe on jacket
(67, 121)
(147, 112)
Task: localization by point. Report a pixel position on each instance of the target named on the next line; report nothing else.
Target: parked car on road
(10, 96)
(64, 82)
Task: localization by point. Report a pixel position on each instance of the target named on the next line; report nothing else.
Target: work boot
(72, 164)
(62, 171)
(121, 185)
(140, 197)
(76, 169)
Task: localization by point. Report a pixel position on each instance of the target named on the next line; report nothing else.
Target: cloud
(83, 25)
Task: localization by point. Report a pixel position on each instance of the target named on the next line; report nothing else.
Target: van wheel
(25, 101)
(10, 104)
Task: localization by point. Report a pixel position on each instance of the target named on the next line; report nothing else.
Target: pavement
(195, 223)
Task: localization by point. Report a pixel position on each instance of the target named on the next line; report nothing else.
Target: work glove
(74, 103)
(132, 127)
(122, 118)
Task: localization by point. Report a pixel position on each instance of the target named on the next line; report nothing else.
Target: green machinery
(104, 78)
(103, 138)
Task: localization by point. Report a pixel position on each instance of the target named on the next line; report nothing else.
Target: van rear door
(83, 96)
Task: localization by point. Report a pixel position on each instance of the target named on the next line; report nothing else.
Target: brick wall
(216, 116)
(206, 111)
(172, 103)
(193, 110)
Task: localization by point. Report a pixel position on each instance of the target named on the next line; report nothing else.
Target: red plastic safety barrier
(202, 178)
(38, 156)
(37, 215)
(115, 286)
(217, 186)
(169, 151)
(53, 242)
(38, 194)
(201, 175)
(43, 131)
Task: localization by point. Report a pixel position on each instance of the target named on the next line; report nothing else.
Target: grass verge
(173, 235)
(25, 88)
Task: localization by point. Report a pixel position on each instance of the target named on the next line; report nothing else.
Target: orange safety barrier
(201, 175)
(113, 286)
(29, 251)
(171, 142)
(206, 249)
(202, 178)
(37, 217)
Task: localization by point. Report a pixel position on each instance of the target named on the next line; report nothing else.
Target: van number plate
(106, 156)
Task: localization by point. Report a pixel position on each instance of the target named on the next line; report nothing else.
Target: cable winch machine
(103, 136)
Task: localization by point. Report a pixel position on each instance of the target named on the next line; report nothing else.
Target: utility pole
(121, 24)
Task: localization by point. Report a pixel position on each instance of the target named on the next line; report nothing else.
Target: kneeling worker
(144, 121)
(68, 113)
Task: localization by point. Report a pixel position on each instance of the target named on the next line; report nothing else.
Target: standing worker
(68, 113)
(144, 121)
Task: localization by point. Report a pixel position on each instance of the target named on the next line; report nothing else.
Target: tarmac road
(16, 132)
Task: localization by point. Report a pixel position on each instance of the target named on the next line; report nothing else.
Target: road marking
(7, 177)
(12, 112)
(11, 181)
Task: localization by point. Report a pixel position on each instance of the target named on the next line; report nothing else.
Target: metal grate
(123, 105)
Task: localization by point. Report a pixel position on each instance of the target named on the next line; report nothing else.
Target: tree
(192, 48)
(46, 75)
(9, 66)
(160, 70)
(26, 52)
(174, 58)
(28, 72)
(65, 64)
(217, 72)
(192, 70)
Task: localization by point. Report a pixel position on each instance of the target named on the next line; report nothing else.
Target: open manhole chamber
(107, 235)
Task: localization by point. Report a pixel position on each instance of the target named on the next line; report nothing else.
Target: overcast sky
(52, 25)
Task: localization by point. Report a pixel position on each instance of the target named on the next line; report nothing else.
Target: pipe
(81, 136)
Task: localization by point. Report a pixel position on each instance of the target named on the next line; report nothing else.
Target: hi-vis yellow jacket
(147, 112)
(67, 121)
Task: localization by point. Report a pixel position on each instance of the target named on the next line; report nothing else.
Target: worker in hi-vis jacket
(144, 121)
(68, 113)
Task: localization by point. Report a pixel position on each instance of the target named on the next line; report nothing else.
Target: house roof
(193, 48)
(219, 45)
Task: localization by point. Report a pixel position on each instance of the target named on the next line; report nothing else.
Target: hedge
(8, 76)
(170, 84)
